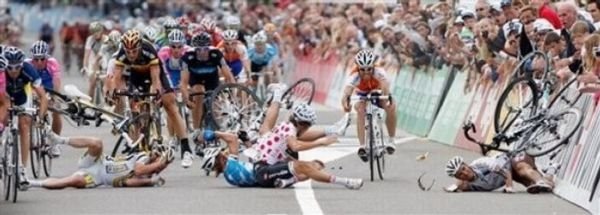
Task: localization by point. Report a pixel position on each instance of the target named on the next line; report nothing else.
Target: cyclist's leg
(231, 140)
(56, 121)
(92, 83)
(390, 119)
(142, 181)
(270, 117)
(198, 110)
(305, 170)
(24, 130)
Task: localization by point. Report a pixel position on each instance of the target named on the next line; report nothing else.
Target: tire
(289, 93)
(577, 121)
(516, 74)
(381, 155)
(227, 89)
(502, 125)
(6, 177)
(15, 170)
(371, 148)
(563, 95)
(35, 150)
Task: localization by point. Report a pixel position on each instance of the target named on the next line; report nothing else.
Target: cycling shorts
(266, 175)
(256, 68)
(90, 168)
(378, 102)
(143, 82)
(210, 81)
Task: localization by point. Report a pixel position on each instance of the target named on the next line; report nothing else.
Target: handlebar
(135, 94)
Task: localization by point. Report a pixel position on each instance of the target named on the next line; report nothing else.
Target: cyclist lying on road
(135, 170)
(491, 173)
(275, 168)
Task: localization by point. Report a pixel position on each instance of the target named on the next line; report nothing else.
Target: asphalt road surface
(189, 191)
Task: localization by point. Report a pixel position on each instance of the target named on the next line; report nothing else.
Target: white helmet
(39, 48)
(260, 37)
(176, 36)
(210, 156)
(365, 58)
(305, 113)
(453, 165)
(230, 35)
(232, 22)
(3, 62)
(151, 33)
(114, 37)
(208, 24)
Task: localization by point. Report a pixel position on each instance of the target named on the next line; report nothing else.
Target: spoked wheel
(14, 168)
(558, 129)
(301, 91)
(567, 96)
(35, 150)
(371, 141)
(6, 169)
(121, 147)
(519, 71)
(518, 101)
(380, 152)
(233, 107)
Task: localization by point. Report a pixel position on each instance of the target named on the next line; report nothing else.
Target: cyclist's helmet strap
(3, 62)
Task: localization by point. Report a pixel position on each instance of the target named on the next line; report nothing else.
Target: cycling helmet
(150, 33)
(2, 48)
(194, 28)
(230, 34)
(131, 39)
(305, 113)
(232, 22)
(202, 39)
(114, 37)
(39, 49)
(3, 63)
(453, 165)
(96, 27)
(208, 24)
(260, 37)
(170, 23)
(176, 36)
(183, 22)
(210, 156)
(365, 58)
(14, 55)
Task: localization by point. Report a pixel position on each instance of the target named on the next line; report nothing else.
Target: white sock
(36, 183)
(339, 180)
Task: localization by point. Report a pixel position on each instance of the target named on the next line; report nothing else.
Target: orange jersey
(374, 83)
(232, 55)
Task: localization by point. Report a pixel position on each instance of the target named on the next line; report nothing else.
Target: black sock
(185, 145)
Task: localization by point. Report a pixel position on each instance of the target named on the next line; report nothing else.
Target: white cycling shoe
(188, 160)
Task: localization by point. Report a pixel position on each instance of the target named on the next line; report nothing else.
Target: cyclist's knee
(95, 148)
(360, 107)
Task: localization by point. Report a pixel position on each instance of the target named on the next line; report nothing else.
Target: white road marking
(304, 192)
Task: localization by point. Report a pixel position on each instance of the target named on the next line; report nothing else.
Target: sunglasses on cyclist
(39, 59)
(12, 67)
(203, 48)
(230, 42)
(176, 46)
(365, 69)
(133, 50)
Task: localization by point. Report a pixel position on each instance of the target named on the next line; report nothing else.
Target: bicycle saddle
(72, 91)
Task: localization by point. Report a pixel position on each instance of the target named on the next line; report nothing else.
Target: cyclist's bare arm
(155, 74)
(41, 93)
(183, 84)
(226, 71)
(297, 145)
(117, 77)
(4, 104)
(142, 169)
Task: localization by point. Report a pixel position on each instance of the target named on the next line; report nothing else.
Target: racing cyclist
(48, 69)
(96, 169)
(151, 35)
(92, 47)
(147, 75)
(234, 23)
(235, 55)
(171, 57)
(364, 79)
(18, 77)
(169, 25)
(201, 70)
(261, 57)
(109, 48)
(243, 174)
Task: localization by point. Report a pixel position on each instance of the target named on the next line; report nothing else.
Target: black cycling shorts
(143, 82)
(267, 174)
(210, 81)
(256, 68)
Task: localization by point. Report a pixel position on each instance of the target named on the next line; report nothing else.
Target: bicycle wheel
(380, 152)
(519, 100)
(301, 91)
(34, 150)
(233, 107)
(558, 129)
(6, 173)
(371, 142)
(519, 72)
(567, 96)
(45, 154)
(15, 164)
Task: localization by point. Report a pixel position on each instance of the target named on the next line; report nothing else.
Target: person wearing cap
(509, 9)
(546, 12)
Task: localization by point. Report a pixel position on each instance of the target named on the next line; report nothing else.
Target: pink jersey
(52, 66)
(165, 52)
(2, 82)
(272, 146)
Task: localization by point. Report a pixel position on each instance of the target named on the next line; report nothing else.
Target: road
(189, 191)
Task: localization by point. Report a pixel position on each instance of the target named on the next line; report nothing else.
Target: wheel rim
(301, 92)
(516, 105)
(545, 139)
(234, 107)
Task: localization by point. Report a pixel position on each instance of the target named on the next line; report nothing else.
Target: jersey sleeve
(353, 80)
(30, 72)
(241, 49)
(381, 76)
(54, 68)
(164, 53)
(88, 43)
(120, 58)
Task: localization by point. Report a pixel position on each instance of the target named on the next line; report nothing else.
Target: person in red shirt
(546, 12)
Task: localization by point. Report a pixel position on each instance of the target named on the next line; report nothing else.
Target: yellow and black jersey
(147, 57)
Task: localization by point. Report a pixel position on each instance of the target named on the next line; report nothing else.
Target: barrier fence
(434, 103)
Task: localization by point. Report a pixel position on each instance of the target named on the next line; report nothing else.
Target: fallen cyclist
(274, 167)
(491, 173)
(95, 169)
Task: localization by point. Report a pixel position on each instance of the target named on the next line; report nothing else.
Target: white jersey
(116, 169)
(272, 146)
